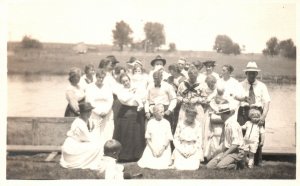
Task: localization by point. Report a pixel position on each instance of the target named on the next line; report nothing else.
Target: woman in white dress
(74, 93)
(232, 88)
(140, 80)
(88, 77)
(188, 152)
(81, 149)
(214, 143)
(101, 97)
(157, 154)
(190, 95)
(209, 91)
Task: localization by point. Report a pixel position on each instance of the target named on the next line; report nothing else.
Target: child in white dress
(251, 138)
(157, 154)
(188, 143)
(109, 166)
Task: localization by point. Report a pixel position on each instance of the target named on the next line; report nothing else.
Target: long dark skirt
(130, 132)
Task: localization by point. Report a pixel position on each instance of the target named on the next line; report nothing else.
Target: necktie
(251, 95)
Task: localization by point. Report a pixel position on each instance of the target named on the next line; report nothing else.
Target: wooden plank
(33, 148)
(53, 120)
(35, 132)
(278, 150)
(19, 134)
(51, 156)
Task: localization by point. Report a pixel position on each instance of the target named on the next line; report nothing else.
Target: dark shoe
(260, 164)
(240, 165)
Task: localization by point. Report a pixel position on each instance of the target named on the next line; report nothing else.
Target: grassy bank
(57, 59)
(34, 167)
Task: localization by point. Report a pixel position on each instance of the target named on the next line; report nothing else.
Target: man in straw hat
(158, 64)
(233, 152)
(256, 94)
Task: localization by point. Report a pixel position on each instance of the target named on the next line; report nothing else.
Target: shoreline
(280, 79)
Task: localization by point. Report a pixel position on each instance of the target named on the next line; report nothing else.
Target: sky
(191, 24)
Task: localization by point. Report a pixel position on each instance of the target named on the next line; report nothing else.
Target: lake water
(44, 96)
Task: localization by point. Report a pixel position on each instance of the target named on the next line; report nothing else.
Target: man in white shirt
(256, 94)
(181, 63)
(160, 92)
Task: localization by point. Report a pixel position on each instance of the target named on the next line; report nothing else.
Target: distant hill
(58, 58)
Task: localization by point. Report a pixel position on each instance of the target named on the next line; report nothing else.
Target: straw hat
(222, 108)
(251, 67)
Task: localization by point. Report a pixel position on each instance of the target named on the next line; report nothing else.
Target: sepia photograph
(150, 90)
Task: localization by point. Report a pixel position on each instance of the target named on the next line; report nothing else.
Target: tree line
(155, 37)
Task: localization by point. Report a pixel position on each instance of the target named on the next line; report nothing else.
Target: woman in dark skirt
(74, 93)
(130, 125)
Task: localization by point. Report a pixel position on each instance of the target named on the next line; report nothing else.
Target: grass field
(34, 167)
(57, 59)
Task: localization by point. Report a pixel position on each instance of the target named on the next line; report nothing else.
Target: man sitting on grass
(233, 141)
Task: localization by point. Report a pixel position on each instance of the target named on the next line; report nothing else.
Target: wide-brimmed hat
(158, 58)
(85, 106)
(209, 63)
(113, 59)
(251, 67)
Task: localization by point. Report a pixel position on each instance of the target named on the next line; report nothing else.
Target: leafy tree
(155, 35)
(121, 34)
(272, 47)
(235, 49)
(28, 42)
(172, 47)
(287, 48)
(223, 44)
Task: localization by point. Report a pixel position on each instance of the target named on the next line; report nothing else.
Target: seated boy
(233, 141)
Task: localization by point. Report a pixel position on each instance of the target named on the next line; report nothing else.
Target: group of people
(177, 117)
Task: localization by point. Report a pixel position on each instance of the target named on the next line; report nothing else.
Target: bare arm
(264, 114)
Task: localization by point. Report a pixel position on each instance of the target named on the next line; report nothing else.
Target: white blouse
(100, 98)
